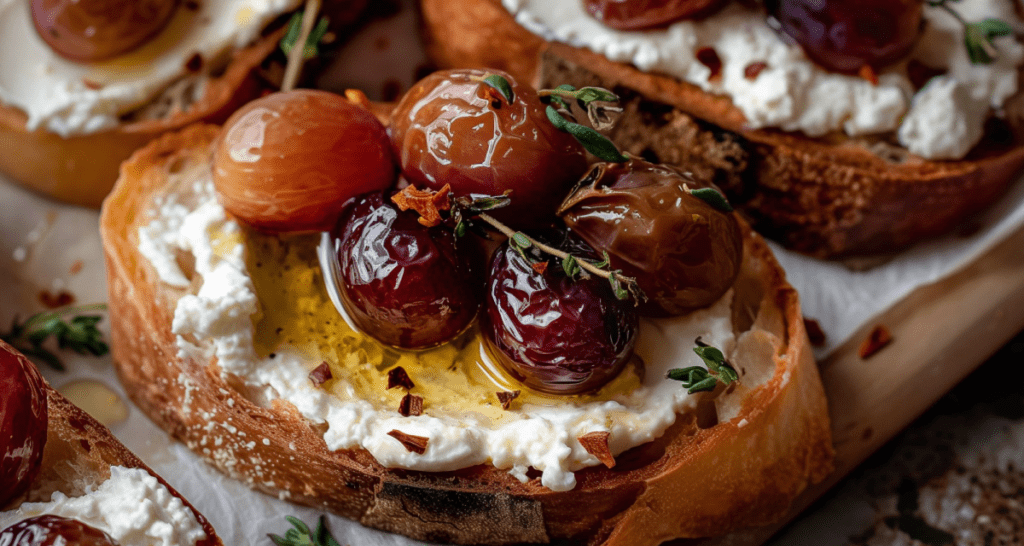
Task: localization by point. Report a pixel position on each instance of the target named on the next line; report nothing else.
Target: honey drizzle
(455, 379)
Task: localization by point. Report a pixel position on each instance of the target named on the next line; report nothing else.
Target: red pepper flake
(76, 267)
(397, 377)
(321, 374)
(358, 98)
(89, 84)
(194, 63)
(753, 70)
(596, 443)
(411, 405)
(539, 267)
(709, 58)
(876, 340)
(415, 444)
(427, 203)
(814, 332)
(868, 74)
(53, 301)
(506, 398)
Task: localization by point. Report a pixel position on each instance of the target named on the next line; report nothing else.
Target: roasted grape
(639, 14)
(23, 423)
(553, 333)
(452, 128)
(683, 252)
(289, 161)
(54, 531)
(846, 36)
(403, 283)
(96, 30)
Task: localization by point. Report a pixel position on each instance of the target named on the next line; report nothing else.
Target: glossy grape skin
(641, 14)
(402, 283)
(23, 421)
(683, 253)
(97, 30)
(551, 333)
(450, 129)
(289, 161)
(844, 36)
(48, 530)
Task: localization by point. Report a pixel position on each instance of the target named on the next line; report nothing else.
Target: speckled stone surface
(954, 477)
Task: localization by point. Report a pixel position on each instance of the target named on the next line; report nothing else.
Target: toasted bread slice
(825, 197)
(695, 480)
(79, 455)
(82, 169)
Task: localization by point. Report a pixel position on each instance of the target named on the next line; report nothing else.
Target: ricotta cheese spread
(132, 506)
(70, 98)
(543, 436)
(794, 94)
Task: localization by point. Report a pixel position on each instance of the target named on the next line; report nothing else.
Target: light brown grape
(289, 161)
(96, 30)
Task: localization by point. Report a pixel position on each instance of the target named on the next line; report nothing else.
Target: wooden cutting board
(941, 332)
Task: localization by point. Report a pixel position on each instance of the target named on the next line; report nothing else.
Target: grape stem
(297, 55)
(508, 232)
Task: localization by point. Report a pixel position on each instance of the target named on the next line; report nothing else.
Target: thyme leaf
(300, 535)
(79, 334)
(501, 85)
(291, 36)
(712, 197)
(697, 378)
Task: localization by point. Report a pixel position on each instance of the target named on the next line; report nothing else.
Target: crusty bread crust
(825, 197)
(79, 453)
(82, 169)
(691, 482)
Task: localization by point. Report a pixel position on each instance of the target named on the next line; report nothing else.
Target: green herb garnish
(592, 141)
(79, 334)
(300, 535)
(712, 197)
(978, 35)
(291, 36)
(697, 379)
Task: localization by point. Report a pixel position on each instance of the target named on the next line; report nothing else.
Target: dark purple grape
(552, 333)
(640, 14)
(402, 283)
(683, 252)
(23, 421)
(845, 36)
(54, 531)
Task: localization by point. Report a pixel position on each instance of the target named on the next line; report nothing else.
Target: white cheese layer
(71, 98)
(791, 92)
(219, 315)
(132, 506)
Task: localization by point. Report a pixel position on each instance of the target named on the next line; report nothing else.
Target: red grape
(23, 421)
(95, 30)
(683, 252)
(401, 282)
(639, 14)
(451, 128)
(54, 531)
(289, 161)
(555, 334)
(846, 36)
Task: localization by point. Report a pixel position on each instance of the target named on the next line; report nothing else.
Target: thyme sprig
(291, 36)
(301, 535)
(465, 213)
(978, 35)
(296, 56)
(79, 334)
(697, 378)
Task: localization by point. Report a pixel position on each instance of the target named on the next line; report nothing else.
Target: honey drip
(453, 379)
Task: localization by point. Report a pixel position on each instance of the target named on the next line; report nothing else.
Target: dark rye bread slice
(829, 197)
(79, 453)
(698, 479)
